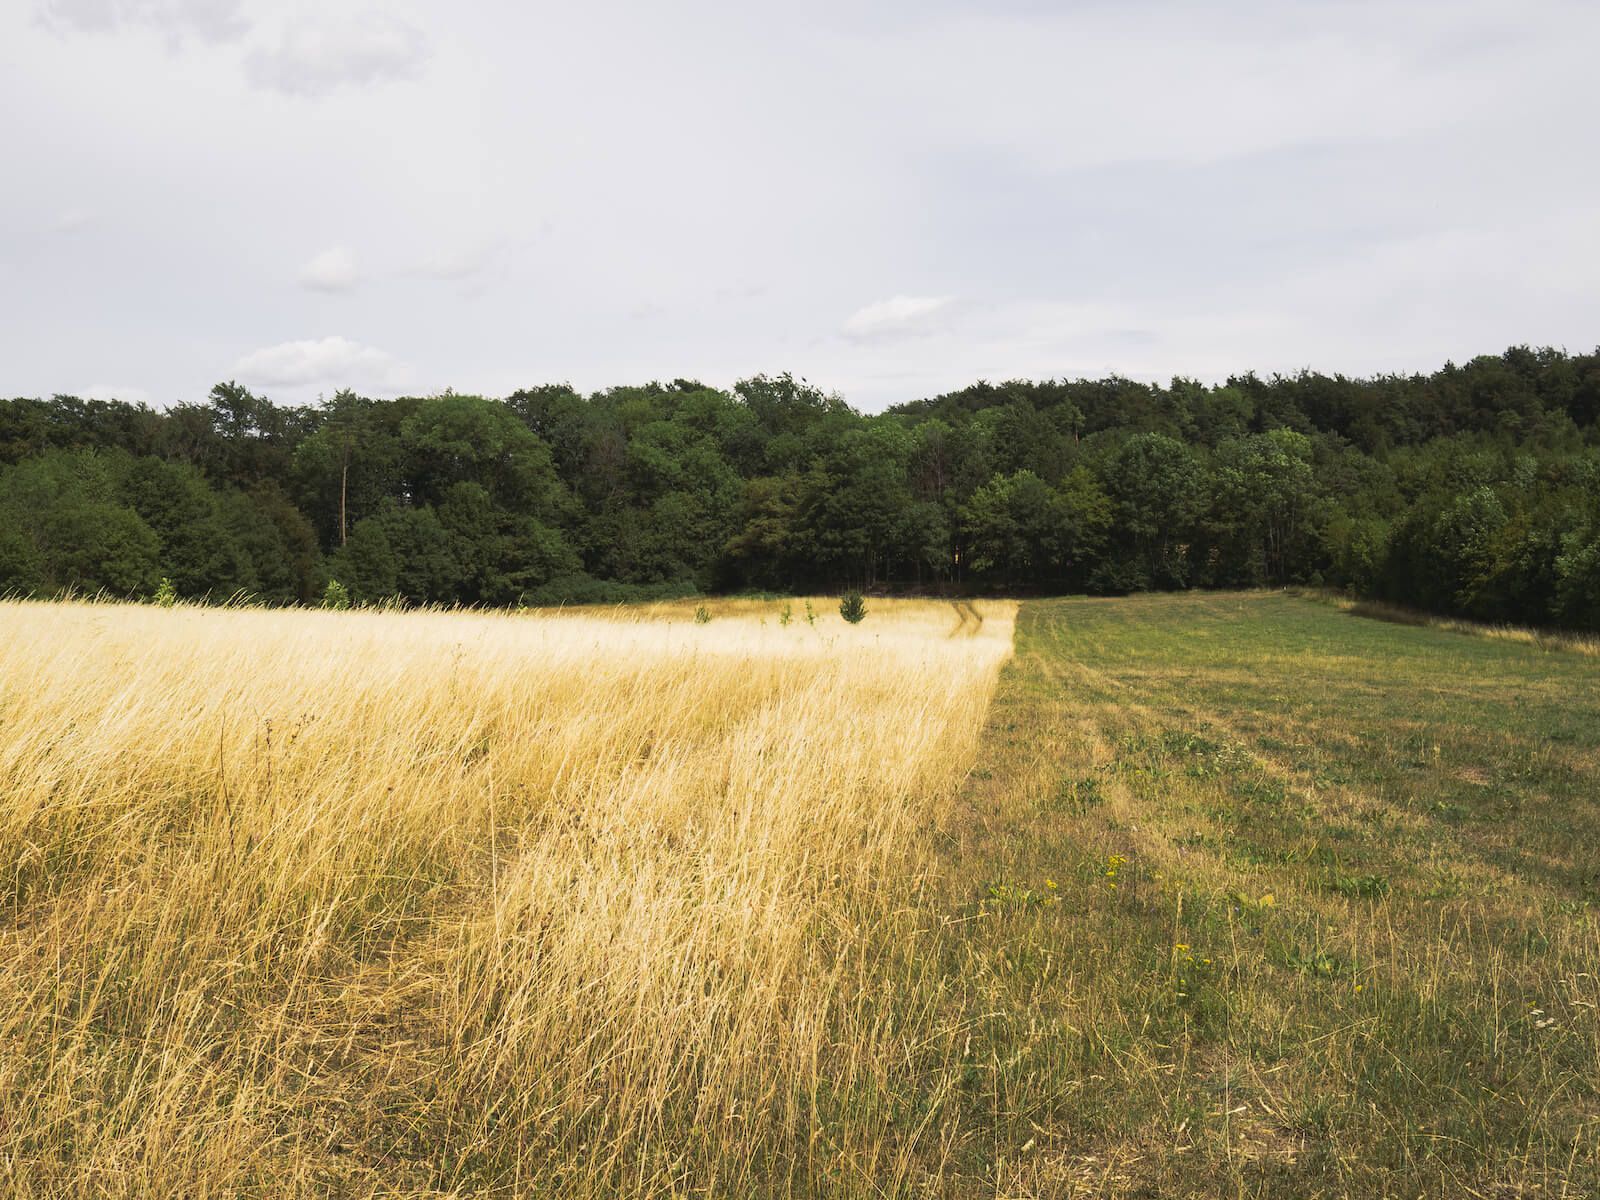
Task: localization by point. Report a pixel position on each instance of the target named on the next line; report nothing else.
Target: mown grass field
(1255, 897)
(1209, 895)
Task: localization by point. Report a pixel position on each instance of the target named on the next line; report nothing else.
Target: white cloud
(334, 270)
(326, 363)
(297, 49)
(71, 220)
(317, 56)
(897, 316)
(462, 263)
(213, 21)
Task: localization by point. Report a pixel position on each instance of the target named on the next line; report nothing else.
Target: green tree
(1155, 484)
(366, 564)
(502, 555)
(1262, 509)
(100, 547)
(769, 543)
(69, 531)
(22, 570)
(1014, 526)
(1577, 598)
(450, 440)
(198, 548)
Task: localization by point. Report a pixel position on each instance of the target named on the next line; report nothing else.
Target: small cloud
(295, 49)
(108, 391)
(213, 21)
(744, 291)
(72, 220)
(313, 58)
(334, 270)
(455, 264)
(330, 362)
(85, 16)
(897, 316)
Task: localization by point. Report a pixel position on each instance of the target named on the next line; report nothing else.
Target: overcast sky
(889, 198)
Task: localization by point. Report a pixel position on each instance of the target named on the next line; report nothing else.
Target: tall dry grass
(298, 903)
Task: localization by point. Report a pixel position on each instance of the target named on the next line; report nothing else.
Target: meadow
(1262, 898)
(364, 903)
(1185, 895)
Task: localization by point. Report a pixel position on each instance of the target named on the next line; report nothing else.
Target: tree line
(1474, 490)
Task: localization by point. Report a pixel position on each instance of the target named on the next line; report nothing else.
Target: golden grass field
(413, 904)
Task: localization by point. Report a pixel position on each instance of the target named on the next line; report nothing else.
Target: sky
(890, 198)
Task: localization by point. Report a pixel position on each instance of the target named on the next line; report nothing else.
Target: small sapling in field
(336, 596)
(166, 595)
(785, 614)
(853, 608)
(702, 615)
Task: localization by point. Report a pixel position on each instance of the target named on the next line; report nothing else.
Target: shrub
(853, 607)
(166, 595)
(336, 596)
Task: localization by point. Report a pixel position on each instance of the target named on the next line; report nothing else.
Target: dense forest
(1474, 490)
